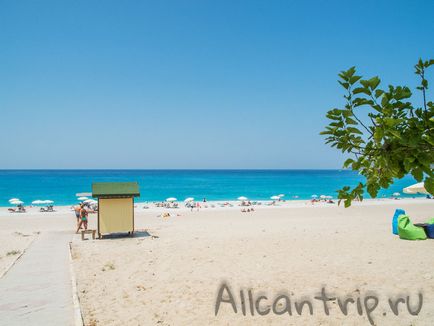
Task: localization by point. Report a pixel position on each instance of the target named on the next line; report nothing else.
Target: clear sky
(191, 84)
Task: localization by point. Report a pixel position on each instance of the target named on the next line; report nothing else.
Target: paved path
(37, 289)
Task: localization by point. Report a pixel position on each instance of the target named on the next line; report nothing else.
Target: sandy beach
(171, 271)
(13, 245)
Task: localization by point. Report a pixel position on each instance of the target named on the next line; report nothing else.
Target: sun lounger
(19, 209)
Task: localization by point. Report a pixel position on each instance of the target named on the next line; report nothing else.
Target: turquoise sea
(156, 185)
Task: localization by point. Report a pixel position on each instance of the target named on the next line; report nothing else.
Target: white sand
(172, 277)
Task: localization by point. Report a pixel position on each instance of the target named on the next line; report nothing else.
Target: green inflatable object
(408, 231)
(431, 221)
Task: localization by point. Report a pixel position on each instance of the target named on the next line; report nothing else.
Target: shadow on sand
(135, 235)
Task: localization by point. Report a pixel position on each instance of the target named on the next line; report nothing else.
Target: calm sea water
(62, 185)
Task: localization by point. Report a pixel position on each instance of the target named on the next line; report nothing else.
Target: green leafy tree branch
(396, 139)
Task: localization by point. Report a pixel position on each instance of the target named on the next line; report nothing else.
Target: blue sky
(191, 84)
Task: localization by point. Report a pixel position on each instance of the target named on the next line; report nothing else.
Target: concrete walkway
(37, 289)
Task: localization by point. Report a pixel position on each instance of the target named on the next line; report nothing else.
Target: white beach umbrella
(314, 196)
(242, 198)
(83, 194)
(90, 202)
(37, 202)
(17, 202)
(47, 202)
(171, 199)
(396, 194)
(281, 195)
(13, 199)
(323, 196)
(275, 197)
(418, 188)
(189, 199)
(82, 198)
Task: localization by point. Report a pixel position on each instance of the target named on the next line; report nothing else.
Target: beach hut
(115, 206)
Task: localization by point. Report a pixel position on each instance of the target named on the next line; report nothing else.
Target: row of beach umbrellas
(17, 201)
(414, 189)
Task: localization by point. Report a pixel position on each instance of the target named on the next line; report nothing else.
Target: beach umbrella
(314, 196)
(82, 198)
(13, 199)
(83, 194)
(323, 196)
(242, 198)
(17, 202)
(171, 199)
(90, 202)
(275, 197)
(37, 202)
(189, 199)
(281, 195)
(418, 188)
(396, 194)
(47, 202)
(329, 197)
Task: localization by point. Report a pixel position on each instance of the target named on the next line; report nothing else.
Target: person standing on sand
(83, 218)
(77, 209)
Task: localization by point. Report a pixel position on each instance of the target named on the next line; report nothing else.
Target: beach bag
(408, 231)
(395, 220)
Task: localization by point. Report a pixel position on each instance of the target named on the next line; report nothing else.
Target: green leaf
(354, 130)
(354, 79)
(429, 185)
(363, 90)
(348, 162)
(378, 92)
(378, 134)
(345, 85)
(374, 82)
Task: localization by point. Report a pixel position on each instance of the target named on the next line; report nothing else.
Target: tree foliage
(393, 139)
